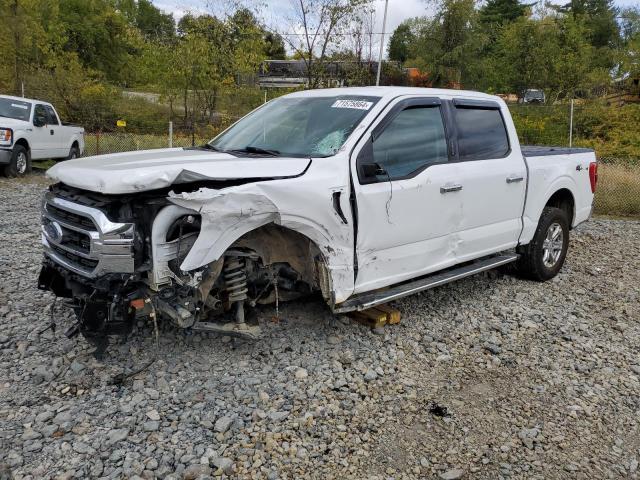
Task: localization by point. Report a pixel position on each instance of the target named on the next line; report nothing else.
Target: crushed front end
(117, 258)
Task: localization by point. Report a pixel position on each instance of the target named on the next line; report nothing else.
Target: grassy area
(618, 190)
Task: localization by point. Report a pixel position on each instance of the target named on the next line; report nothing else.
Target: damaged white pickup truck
(362, 194)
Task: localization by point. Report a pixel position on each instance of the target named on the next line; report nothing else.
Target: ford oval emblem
(53, 230)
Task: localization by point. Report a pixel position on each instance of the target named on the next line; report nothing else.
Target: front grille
(76, 259)
(84, 240)
(71, 217)
(76, 240)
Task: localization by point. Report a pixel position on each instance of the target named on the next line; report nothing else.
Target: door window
(414, 139)
(481, 134)
(52, 119)
(40, 113)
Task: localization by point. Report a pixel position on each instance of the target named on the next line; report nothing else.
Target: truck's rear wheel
(20, 163)
(543, 258)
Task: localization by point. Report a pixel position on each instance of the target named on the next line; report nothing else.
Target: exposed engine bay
(118, 258)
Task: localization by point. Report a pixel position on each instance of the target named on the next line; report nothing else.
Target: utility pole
(571, 125)
(384, 25)
(370, 37)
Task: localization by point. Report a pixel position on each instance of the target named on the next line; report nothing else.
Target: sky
(273, 10)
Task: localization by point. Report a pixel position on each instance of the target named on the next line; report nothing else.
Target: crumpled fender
(226, 216)
(229, 213)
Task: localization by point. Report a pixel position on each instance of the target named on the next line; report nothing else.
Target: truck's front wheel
(20, 163)
(543, 258)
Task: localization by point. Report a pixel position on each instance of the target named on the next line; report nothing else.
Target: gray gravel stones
(453, 474)
(539, 380)
(116, 435)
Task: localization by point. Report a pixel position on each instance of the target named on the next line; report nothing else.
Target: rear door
(406, 192)
(493, 177)
(41, 140)
(57, 133)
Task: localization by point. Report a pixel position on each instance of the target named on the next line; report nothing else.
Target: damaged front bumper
(83, 240)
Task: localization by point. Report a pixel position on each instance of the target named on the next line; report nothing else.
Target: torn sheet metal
(226, 216)
(303, 205)
(145, 170)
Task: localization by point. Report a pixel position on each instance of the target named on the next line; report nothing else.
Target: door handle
(450, 188)
(51, 132)
(514, 179)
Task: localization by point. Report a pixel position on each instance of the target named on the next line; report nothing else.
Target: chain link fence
(101, 142)
(609, 129)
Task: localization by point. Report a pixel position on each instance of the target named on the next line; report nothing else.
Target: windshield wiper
(208, 146)
(252, 149)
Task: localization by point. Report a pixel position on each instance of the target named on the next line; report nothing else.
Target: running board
(371, 299)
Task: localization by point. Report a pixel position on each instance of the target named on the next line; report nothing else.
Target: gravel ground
(491, 377)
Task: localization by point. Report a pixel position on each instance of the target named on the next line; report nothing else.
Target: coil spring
(235, 278)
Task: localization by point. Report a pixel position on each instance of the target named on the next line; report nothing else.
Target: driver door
(406, 195)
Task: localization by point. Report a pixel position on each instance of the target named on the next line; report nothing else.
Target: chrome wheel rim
(552, 245)
(21, 163)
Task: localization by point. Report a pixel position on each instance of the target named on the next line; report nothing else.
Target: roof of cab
(22, 99)
(390, 92)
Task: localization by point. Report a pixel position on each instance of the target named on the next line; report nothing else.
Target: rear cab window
(52, 118)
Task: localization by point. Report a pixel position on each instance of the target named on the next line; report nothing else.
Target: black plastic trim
(337, 207)
(473, 103)
(401, 106)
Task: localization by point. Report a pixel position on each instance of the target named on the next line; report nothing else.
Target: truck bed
(538, 151)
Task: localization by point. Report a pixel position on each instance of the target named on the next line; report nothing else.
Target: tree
(449, 45)
(602, 28)
(101, 37)
(274, 46)
(321, 24)
(400, 42)
(152, 22)
(552, 53)
(496, 13)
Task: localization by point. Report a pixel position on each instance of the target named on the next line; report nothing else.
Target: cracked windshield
(297, 127)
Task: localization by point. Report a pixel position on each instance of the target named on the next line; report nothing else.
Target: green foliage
(609, 129)
(153, 23)
(502, 47)
(99, 35)
(399, 42)
(448, 45)
(499, 12)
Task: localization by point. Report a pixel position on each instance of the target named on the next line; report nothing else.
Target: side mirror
(371, 170)
(38, 121)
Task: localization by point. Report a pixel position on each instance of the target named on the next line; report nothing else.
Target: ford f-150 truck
(32, 130)
(364, 195)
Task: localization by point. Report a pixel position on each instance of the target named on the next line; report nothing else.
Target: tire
(73, 153)
(20, 164)
(542, 259)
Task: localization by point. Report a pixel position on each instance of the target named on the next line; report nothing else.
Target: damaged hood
(144, 170)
